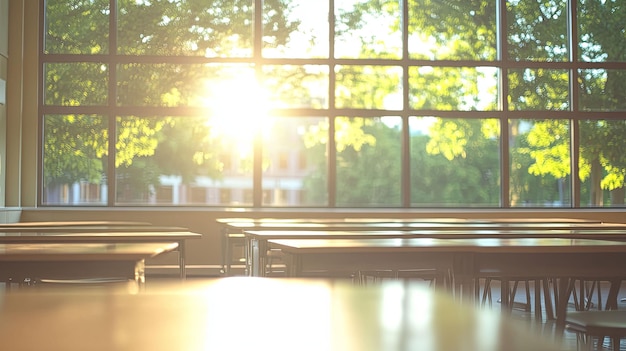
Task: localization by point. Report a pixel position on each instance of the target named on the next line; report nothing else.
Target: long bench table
(104, 234)
(73, 261)
(256, 240)
(468, 259)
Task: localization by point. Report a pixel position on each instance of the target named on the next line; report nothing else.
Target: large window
(333, 103)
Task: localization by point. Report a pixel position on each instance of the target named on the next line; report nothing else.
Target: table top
(612, 234)
(289, 315)
(473, 245)
(82, 251)
(395, 225)
(101, 236)
(71, 223)
(246, 220)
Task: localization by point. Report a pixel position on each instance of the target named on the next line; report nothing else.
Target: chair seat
(598, 323)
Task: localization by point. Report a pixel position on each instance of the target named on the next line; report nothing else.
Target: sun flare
(238, 110)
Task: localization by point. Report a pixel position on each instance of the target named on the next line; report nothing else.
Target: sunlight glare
(238, 110)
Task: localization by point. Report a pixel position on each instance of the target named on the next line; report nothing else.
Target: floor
(545, 326)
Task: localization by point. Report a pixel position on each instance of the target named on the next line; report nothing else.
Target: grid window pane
(295, 86)
(538, 89)
(76, 84)
(185, 28)
(601, 30)
(368, 146)
(74, 166)
(452, 30)
(602, 89)
(454, 162)
(537, 30)
(453, 88)
(370, 87)
(602, 162)
(78, 27)
(540, 163)
(367, 29)
(295, 166)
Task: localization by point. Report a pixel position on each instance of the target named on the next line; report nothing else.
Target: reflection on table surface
(246, 313)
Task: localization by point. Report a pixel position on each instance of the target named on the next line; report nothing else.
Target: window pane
(602, 162)
(183, 85)
(454, 162)
(295, 162)
(367, 29)
(375, 87)
(74, 160)
(453, 88)
(79, 27)
(297, 31)
(537, 30)
(602, 89)
(538, 89)
(185, 28)
(601, 29)
(452, 30)
(368, 161)
(183, 160)
(290, 86)
(75, 84)
(540, 163)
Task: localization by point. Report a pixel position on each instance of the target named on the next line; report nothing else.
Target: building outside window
(333, 103)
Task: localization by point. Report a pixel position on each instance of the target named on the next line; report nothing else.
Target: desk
(468, 259)
(256, 240)
(70, 224)
(79, 234)
(303, 315)
(78, 260)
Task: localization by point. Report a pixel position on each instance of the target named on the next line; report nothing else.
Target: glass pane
(600, 23)
(76, 84)
(74, 160)
(453, 88)
(183, 85)
(452, 30)
(540, 163)
(602, 89)
(538, 89)
(77, 27)
(537, 30)
(297, 31)
(368, 161)
(295, 164)
(602, 162)
(367, 29)
(183, 160)
(185, 28)
(375, 87)
(454, 162)
(290, 86)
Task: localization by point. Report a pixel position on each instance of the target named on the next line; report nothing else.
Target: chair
(596, 325)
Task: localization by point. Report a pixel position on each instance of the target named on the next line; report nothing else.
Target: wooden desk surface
(71, 223)
(290, 315)
(101, 236)
(82, 251)
(409, 225)
(500, 245)
(92, 228)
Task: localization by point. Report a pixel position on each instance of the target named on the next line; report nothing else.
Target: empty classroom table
(69, 261)
(257, 240)
(468, 259)
(99, 234)
(285, 315)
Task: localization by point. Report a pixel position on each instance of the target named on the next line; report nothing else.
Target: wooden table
(70, 223)
(105, 234)
(73, 261)
(257, 248)
(468, 259)
(288, 315)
